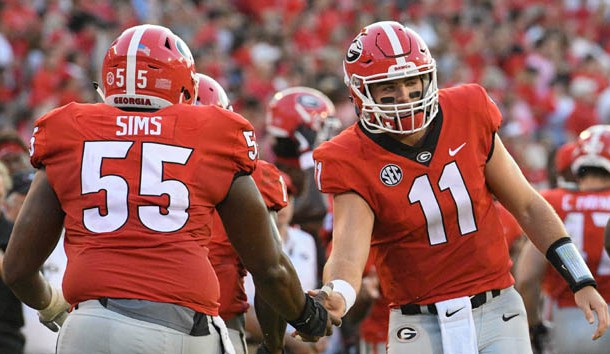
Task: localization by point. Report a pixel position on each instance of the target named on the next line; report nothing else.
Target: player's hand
(54, 315)
(331, 320)
(332, 301)
(589, 301)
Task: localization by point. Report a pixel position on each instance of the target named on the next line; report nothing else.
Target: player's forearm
(549, 235)
(344, 269)
(33, 290)
(272, 326)
(529, 273)
(531, 297)
(541, 223)
(280, 287)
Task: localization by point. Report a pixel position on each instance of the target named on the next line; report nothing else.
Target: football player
(562, 162)
(135, 181)
(211, 93)
(413, 182)
(227, 265)
(585, 212)
(298, 119)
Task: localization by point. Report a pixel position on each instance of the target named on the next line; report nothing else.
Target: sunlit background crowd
(545, 63)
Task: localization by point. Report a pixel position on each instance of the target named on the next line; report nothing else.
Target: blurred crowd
(545, 63)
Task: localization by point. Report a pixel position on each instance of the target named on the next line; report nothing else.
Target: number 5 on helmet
(149, 67)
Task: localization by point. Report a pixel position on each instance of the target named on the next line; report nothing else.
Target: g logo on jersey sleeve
(391, 175)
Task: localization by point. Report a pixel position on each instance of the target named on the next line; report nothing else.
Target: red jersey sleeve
(492, 109)
(333, 165)
(245, 147)
(271, 185)
(39, 143)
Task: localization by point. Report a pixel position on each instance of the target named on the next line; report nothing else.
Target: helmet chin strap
(97, 88)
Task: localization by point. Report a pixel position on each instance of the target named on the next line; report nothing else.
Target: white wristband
(347, 291)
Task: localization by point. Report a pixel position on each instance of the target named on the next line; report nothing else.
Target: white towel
(224, 335)
(457, 326)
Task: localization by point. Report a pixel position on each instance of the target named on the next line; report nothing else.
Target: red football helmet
(210, 93)
(386, 51)
(592, 148)
(564, 156)
(294, 107)
(148, 66)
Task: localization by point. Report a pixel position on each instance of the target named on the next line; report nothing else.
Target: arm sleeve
(330, 171)
(244, 149)
(493, 112)
(267, 179)
(38, 142)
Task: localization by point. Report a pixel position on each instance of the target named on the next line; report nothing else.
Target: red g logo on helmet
(386, 51)
(148, 66)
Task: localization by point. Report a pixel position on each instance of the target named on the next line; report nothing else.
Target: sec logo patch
(390, 175)
(407, 334)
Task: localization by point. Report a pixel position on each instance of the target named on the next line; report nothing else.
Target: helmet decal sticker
(110, 78)
(354, 51)
(309, 101)
(184, 50)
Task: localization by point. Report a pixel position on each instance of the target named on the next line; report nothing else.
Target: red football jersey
(510, 226)
(139, 191)
(224, 259)
(585, 214)
(435, 235)
(374, 327)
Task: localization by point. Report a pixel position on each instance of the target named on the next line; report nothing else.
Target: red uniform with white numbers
(374, 327)
(139, 190)
(431, 240)
(585, 214)
(511, 228)
(224, 259)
